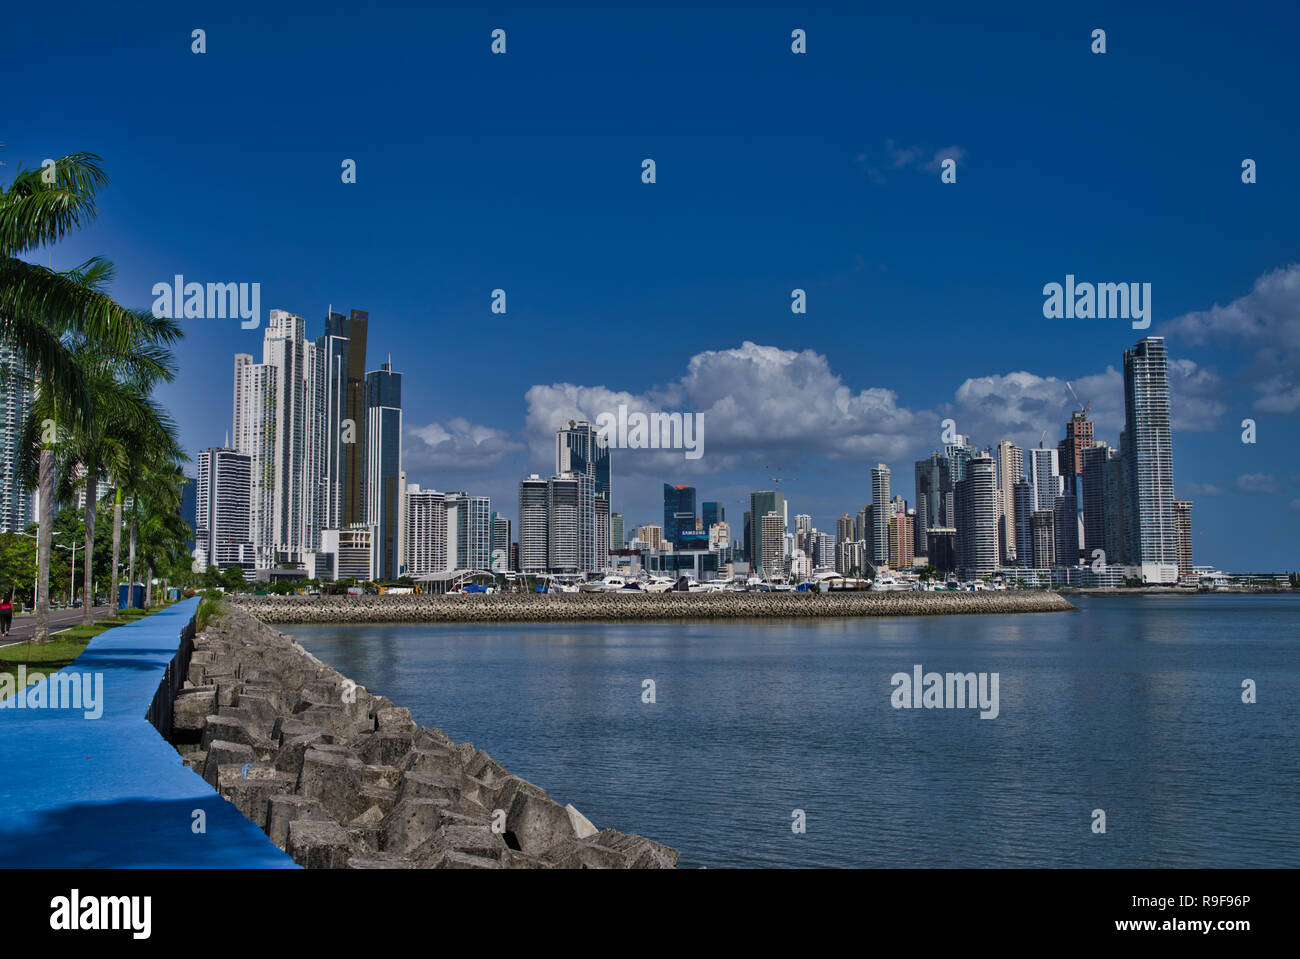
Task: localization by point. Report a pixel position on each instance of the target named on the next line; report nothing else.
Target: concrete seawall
(340, 778)
(597, 607)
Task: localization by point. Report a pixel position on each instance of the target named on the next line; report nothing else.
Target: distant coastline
(595, 607)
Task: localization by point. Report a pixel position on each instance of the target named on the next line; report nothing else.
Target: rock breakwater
(338, 777)
(596, 607)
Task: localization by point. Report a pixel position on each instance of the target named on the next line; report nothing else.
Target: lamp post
(72, 585)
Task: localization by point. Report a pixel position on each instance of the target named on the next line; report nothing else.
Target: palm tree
(43, 311)
(124, 415)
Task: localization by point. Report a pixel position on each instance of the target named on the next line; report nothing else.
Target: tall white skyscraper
(15, 403)
(1149, 462)
(881, 511)
(276, 402)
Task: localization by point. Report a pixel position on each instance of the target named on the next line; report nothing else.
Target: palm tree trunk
(44, 536)
(87, 590)
(148, 587)
(117, 542)
(130, 579)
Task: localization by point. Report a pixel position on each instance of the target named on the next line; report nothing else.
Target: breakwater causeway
(340, 778)
(604, 607)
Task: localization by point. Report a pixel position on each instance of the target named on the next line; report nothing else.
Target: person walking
(6, 614)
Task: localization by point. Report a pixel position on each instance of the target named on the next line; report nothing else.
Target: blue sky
(775, 171)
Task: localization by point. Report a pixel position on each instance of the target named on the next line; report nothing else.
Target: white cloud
(1262, 483)
(1265, 323)
(1199, 489)
(761, 405)
(456, 445)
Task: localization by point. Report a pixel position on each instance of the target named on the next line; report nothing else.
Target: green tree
(44, 311)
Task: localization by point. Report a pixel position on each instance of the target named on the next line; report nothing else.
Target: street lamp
(72, 584)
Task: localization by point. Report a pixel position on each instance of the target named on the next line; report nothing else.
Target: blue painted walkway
(110, 791)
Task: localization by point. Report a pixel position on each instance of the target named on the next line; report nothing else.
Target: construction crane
(1084, 407)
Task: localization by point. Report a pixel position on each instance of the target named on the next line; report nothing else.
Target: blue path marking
(111, 792)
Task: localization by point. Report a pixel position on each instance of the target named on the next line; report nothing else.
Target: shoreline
(338, 777)
(680, 607)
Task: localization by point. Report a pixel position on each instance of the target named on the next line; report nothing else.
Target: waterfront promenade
(110, 791)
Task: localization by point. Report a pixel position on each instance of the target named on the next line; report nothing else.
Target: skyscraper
(934, 506)
(221, 507)
(713, 512)
(581, 450)
(772, 545)
(1045, 476)
(1078, 438)
(1065, 532)
(880, 514)
(679, 511)
(330, 405)
(1011, 466)
(976, 500)
(384, 466)
(762, 503)
(500, 545)
(563, 507)
(617, 538)
(1183, 518)
(1025, 499)
(355, 504)
(1149, 462)
(15, 403)
(1092, 480)
(425, 542)
(533, 525)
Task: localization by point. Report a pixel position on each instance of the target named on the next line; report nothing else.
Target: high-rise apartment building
(1149, 463)
(534, 550)
(500, 545)
(221, 508)
(563, 507)
(15, 404)
(1011, 467)
(772, 545)
(1045, 476)
(425, 541)
(617, 536)
(762, 503)
(881, 510)
(934, 504)
(976, 500)
(384, 466)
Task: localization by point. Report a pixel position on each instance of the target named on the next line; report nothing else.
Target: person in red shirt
(6, 614)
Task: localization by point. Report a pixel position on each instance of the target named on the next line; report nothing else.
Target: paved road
(58, 619)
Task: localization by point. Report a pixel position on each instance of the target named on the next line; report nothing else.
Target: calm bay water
(1131, 705)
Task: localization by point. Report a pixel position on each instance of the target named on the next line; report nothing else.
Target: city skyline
(649, 293)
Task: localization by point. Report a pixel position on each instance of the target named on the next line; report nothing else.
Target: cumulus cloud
(1264, 323)
(456, 444)
(1257, 483)
(759, 404)
(1019, 406)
